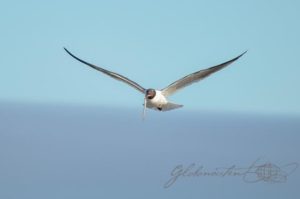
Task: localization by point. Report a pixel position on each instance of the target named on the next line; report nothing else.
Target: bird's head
(150, 93)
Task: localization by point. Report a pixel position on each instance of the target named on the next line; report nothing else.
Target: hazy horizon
(75, 152)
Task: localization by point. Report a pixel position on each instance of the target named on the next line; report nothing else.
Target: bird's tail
(170, 106)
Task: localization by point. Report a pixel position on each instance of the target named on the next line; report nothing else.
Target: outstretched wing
(111, 74)
(195, 77)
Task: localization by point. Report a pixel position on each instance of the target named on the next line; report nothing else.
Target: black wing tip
(75, 56)
(67, 50)
(242, 54)
(234, 59)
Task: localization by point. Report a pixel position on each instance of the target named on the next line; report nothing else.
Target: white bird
(157, 99)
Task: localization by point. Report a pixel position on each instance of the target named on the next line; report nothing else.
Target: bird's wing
(195, 77)
(111, 74)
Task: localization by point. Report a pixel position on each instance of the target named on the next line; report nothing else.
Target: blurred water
(94, 152)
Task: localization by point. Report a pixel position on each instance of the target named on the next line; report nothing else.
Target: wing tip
(242, 54)
(234, 59)
(67, 50)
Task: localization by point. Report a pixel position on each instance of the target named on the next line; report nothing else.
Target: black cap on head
(150, 93)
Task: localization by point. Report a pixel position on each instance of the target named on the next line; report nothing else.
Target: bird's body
(160, 103)
(157, 102)
(157, 99)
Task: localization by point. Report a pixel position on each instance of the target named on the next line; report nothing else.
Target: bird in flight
(157, 99)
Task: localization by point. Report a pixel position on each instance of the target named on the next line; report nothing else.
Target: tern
(157, 99)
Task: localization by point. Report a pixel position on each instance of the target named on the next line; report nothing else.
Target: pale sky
(154, 43)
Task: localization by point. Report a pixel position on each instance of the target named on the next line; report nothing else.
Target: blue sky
(153, 43)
